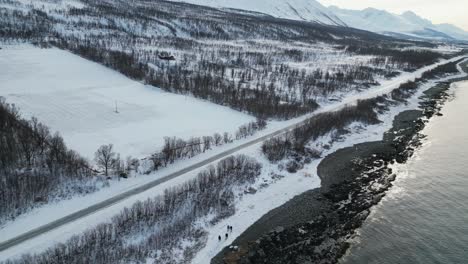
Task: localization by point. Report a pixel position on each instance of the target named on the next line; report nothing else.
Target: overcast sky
(439, 11)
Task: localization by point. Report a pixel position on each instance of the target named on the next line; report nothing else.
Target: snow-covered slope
(374, 20)
(407, 23)
(309, 10)
(370, 19)
(453, 31)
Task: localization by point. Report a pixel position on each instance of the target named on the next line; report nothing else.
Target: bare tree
(105, 157)
(218, 139)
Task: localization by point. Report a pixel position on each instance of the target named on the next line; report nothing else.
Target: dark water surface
(424, 218)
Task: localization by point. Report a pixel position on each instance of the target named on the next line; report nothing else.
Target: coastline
(316, 225)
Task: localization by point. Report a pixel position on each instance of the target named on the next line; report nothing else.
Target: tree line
(176, 148)
(406, 90)
(441, 70)
(160, 223)
(365, 111)
(34, 164)
(295, 141)
(410, 59)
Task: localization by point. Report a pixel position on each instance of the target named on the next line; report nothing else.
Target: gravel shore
(336, 172)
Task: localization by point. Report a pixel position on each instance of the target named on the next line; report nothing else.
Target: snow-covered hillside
(407, 23)
(374, 19)
(370, 19)
(309, 10)
(77, 98)
(217, 51)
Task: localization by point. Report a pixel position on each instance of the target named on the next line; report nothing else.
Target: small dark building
(166, 56)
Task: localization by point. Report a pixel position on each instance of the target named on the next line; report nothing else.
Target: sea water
(424, 217)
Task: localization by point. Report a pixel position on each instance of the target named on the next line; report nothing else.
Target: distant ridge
(309, 10)
(407, 24)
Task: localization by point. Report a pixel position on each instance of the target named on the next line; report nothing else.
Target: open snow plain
(78, 98)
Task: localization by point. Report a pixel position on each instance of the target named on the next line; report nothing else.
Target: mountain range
(407, 24)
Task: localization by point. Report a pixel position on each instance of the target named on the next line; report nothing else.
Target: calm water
(424, 218)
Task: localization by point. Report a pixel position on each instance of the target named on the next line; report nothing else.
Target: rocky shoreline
(315, 227)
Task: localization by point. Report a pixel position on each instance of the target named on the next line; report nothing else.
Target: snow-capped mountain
(309, 10)
(407, 23)
(453, 31)
(371, 19)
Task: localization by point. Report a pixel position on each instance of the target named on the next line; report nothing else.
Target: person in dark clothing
(227, 235)
(219, 238)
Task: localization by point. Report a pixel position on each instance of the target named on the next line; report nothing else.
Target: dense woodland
(365, 111)
(153, 228)
(406, 90)
(34, 164)
(440, 71)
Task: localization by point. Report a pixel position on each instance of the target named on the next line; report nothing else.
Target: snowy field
(78, 98)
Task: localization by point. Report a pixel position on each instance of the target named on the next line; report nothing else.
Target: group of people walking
(229, 230)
